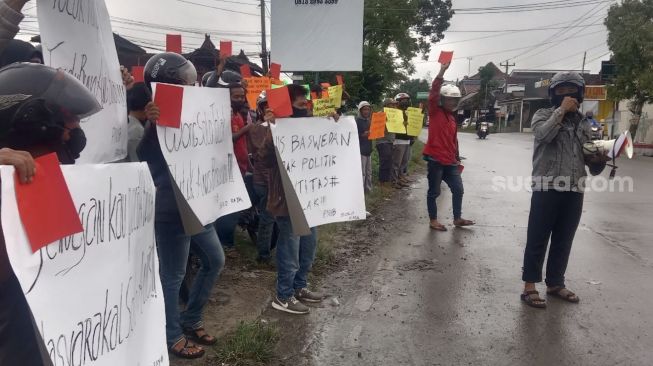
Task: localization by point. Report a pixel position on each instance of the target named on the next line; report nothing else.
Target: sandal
(463, 222)
(200, 336)
(564, 294)
(189, 351)
(438, 227)
(532, 298)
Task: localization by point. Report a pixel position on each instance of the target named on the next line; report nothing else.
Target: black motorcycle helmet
(37, 100)
(206, 77)
(170, 68)
(224, 80)
(566, 78)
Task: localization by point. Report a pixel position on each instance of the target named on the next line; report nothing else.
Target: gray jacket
(9, 20)
(558, 159)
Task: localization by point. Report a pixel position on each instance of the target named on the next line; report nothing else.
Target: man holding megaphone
(559, 161)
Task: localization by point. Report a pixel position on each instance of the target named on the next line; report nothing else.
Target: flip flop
(438, 227)
(569, 296)
(530, 300)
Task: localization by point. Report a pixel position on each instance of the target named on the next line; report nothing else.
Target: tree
(412, 87)
(484, 98)
(394, 32)
(630, 38)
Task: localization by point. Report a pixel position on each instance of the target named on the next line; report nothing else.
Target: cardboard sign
(445, 57)
(322, 108)
(169, 99)
(322, 158)
(225, 48)
(279, 102)
(275, 71)
(377, 126)
(95, 296)
(245, 71)
(415, 121)
(395, 122)
(138, 73)
(254, 88)
(81, 44)
(45, 206)
(200, 154)
(335, 95)
(173, 43)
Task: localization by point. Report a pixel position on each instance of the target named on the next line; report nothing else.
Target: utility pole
(469, 66)
(507, 65)
(582, 74)
(264, 43)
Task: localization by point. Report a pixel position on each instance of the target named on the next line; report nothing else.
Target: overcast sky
(237, 20)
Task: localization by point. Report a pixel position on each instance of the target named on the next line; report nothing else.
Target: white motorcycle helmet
(450, 91)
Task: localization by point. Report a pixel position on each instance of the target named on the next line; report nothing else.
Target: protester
(558, 184)
(295, 255)
(141, 109)
(184, 331)
(363, 122)
(34, 121)
(127, 78)
(401, 146)
(384, 147)
(226, 225)
(441, 151)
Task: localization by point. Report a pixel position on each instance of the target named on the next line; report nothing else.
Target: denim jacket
(558, 160)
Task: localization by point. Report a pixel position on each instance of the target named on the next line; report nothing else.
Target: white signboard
(323, 161)
(317, 35)
(96, 296)
(77, 37)
(201, 157)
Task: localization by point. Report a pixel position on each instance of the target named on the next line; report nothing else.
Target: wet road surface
(432, 298)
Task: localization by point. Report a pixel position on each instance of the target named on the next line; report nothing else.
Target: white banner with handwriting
(76, 36)
(200, 154)
(323, 161)
(96, 296)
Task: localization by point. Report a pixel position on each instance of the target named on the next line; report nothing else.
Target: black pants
(554, 215)
(385, 162)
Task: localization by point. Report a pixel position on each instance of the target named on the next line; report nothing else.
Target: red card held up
(279, 102)
(169, 99)
(225, 48)
(45, 206)
(138, 73)
(275, 70)
(245, 71)
(173, 43)
(445, 57)
(340, 80)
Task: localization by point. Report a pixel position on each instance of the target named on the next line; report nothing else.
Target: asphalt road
(431, 298)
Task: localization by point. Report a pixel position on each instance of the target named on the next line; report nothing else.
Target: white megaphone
(612, 149)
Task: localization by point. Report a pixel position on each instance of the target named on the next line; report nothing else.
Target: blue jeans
(173, 246)
(265, 223)
(225, 228)
(451, 175)
(294, 258)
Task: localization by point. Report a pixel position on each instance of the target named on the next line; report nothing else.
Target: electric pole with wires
(264, 46)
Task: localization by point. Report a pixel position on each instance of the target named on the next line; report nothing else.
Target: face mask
(77, 142)
(237, 106)
(296, 112)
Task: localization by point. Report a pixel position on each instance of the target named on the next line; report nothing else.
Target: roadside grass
(252, 343)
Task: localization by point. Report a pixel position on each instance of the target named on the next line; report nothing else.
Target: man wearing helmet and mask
(558, 179)
(40, 109)
(173, 244)
(401, 146)
(441, 151)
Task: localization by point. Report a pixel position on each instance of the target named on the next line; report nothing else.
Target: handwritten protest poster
(322, 108)
(254, 88)
(96, 296)
(322, 158)
(335, 95)
(395, 122)
(79, 40)
(415, 121)
(200, 154)
(377, 126)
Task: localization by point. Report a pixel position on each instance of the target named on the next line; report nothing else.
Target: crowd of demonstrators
(441, 151)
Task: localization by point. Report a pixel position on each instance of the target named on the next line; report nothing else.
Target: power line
(218, 8)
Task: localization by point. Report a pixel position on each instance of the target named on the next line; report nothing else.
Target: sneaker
(291, 305)
(307, 295)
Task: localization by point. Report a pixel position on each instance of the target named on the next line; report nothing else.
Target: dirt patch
(419, 265)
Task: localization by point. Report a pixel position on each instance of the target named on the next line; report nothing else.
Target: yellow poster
(322, 108)
(395, 122)
(415, 122)
(335, 95)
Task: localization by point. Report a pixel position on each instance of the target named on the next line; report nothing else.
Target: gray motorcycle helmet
(566, 78)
